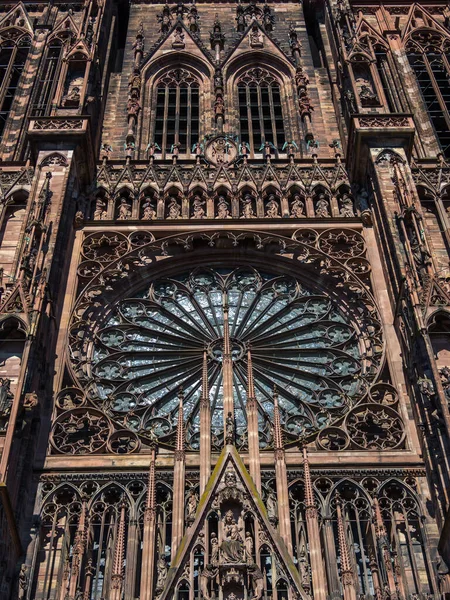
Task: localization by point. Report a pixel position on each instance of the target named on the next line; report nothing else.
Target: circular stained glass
(300, 341)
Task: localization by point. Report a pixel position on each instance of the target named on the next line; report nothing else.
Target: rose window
(154, 343)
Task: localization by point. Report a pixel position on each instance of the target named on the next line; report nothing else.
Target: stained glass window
(299, 340)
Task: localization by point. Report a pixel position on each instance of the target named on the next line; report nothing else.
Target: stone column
(318, 576)
(205, 428)
(119, 550)
(252, 425)
(78, 552)
(149, 543)
(227, 366)
(284, 516)
(382, 539)
(347, 575)
(178, 482)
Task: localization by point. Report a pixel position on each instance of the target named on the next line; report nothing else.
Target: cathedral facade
(224, 300)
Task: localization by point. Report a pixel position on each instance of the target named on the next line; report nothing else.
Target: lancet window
(429, 58)
(12, 60)
(177, 119)
(260, 109)
(47, 82)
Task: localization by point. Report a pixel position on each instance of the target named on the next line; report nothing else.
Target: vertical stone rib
(318, 576)
(117, 571)
(347, 575)
(252, 425)
(78, 551)
(148, 549)
(205, 428)
(382, 538)
(178, 481)
(281, 478)
(227, 366)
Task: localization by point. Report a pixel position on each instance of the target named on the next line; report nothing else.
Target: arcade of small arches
(247, 203)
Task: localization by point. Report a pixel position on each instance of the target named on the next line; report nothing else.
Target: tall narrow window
(177, 119)
(383, 72)
(432, 71)
(45, 89)
(260, 111)
(12, 60)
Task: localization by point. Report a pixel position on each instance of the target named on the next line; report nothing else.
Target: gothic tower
(224, 300)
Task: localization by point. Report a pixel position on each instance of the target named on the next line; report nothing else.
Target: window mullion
(189, 140)
(7, 79)
(250, 122)
(272, 117)
(261, 115)
(436, 90)
(166, 120)
(177, 115)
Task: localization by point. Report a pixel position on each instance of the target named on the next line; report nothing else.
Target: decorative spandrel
(154, 342)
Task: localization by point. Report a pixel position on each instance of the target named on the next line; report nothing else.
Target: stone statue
(272, 208)
(229, 429)
(6, 395)
(23, 581)
(124, 210)
(191, 505)
(271, 504)
(304, 569)
(149, 212)
(161, 568)
(346, 206)
(214, 558)
(297, 207)
(257, 581)
(248, 547)
(247, 210)
(100, 211)
(197, 208)
(222, 209)
(174, 209)
(322, 207)
(231, 549)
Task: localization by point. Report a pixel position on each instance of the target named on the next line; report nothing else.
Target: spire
(179, 451)
(227, 368)
(309, 495)
(277, 433)
(205, 386)
(380, 529)
(151, 490)
(250, 381)
(117, 571)
(346, 567)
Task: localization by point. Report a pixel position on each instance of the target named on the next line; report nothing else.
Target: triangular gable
(434, 296)
(17, 18)
(17, 302)
(430, 21)
(65, 27)
(269, 45)
(270, 176)
(230, 483)
(189, 43)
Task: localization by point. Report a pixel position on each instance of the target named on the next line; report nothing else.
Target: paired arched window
(432, 69)
(260, 110)
(47, 82)
(177, 111)
(12, 60)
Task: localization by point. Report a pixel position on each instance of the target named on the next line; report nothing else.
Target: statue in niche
(149, 212)
(193, 19)
(23, 581)
(272, 207)
(367, 95)
(256, 39)
(232, 549)
(303, 569)
(223, 211)
(297, 207)
(197, 208)
(346, 206)
(247, 209)
(257, 581)
(72, 98)
(124, 209)
(249, 545)
(214, 557)
(6, 395)
(191, 506)
(229, 432)
(161, 568)
(271, 504)
(100, 210)
(322, 207)
(165, 19)
(174, 209)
